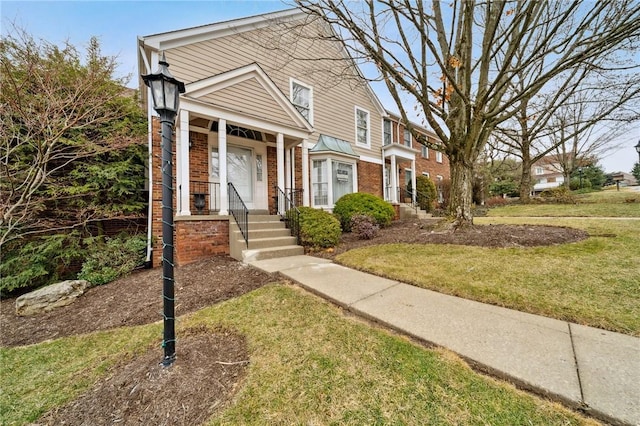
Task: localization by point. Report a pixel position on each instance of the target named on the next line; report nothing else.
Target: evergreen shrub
(318, 228)
(362, 203)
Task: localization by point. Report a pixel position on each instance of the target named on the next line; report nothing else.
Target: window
(539, 171)
(425, 152)
(386, 131)
(407, 137)
(426, 174)
(362, 127)
(302, 99)
(215, 163)
(259, 167)
(320, 183)
(326, 190)
(438, 156)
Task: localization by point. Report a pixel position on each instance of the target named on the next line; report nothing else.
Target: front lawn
(309, 364)
(593, 282)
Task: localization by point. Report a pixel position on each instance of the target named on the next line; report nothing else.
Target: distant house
(623, 179)
(260, 122)
(546, 173)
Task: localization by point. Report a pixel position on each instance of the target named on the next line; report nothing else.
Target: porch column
(394, 179)
(222, 154)
(182, 166)
(413, 180)
(280, 160)
(287, 171)
(305, 174)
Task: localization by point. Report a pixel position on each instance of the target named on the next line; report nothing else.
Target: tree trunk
(460, 199)
(525, 182)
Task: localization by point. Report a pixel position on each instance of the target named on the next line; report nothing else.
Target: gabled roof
(263, 89)
(173, 39)
(329, 144)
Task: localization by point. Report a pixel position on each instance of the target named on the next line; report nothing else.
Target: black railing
(239, 211)
(295, 195)
(290, 214)
(420, 199)
(204, 197)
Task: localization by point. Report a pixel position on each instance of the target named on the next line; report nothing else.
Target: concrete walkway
(584, 367)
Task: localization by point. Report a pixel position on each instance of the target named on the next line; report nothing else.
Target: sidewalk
(584, 367)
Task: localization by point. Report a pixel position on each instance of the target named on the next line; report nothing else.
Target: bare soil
(210, 366)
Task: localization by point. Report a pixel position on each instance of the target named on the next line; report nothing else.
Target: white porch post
(222, 154)
(287, 170)
(182, 166)
(413, 180)
(394, 179)
(280, 160)
(305, 174)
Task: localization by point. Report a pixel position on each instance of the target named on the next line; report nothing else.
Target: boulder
(50, 297)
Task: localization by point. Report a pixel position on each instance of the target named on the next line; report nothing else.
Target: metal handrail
(415, 204)
(239, 211)
(289, 213)
(202, 194)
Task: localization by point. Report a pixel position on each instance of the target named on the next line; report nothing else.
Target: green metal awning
(329, 144)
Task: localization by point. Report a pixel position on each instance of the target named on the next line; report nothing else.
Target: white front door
(240, 172)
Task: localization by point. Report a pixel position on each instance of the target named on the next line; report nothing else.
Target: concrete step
(275, 224)
(280, 231)
(263, 217)
(251, 255)
(258, 243)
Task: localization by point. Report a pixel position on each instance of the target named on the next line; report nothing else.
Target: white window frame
(292, 82)
(329, 164)
(426, 174)
(438, 157)
(424, 151)
(355, 112)
(384, 122)
(539, 170)
(404, 137)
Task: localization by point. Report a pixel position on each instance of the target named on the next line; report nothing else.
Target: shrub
(501, 187)
(364, 226)
(362, 203)
(560, 194)
(427, 193)
(318, 229)
(495, 202)
(112, 258)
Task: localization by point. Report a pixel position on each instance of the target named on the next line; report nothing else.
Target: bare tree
(56, 111)
(457, 62)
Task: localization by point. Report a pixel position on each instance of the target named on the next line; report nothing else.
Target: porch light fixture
(638, 150)
(165, 91)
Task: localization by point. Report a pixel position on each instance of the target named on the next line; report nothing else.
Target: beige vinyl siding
(251, 98)
(334, 99)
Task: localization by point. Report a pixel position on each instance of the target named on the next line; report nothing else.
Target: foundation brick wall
(201, 239)
(370, 178)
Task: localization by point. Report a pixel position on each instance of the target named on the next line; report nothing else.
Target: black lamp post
(166, 90)
(638, 151)
(580, 172)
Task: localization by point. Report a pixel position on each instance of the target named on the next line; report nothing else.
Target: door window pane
(215, 163)
(239, 171)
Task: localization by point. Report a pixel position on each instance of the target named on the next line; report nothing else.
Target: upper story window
(302, 99)
(425, 152)
(407, 137)
(539, 171)
(438, 156)
(386, 132)
(363, 133)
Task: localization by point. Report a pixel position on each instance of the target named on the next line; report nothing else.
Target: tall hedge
(362, 203)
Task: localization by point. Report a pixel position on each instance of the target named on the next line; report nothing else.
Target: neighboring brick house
(546, 173)
(263, 120)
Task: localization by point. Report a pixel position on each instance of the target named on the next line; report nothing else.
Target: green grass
(309, 364)
(608, 203)
(594, 282)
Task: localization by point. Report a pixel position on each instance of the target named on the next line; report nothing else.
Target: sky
(117, 24)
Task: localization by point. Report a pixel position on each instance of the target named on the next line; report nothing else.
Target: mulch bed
(210, 366)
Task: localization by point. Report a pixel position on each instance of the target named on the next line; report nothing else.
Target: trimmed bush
(113, 258)
(318, 229)
(560, 195)
(427, 193)
(364, 226)
(362, 203)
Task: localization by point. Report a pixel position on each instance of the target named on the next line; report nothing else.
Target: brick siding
(198, 239)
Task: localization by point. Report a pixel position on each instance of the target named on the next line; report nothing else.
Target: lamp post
(638, 150)
(580, 172)
(165, 90)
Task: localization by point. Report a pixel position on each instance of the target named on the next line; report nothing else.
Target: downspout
(150, 157)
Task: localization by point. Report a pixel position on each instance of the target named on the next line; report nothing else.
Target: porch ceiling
(400, 151)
